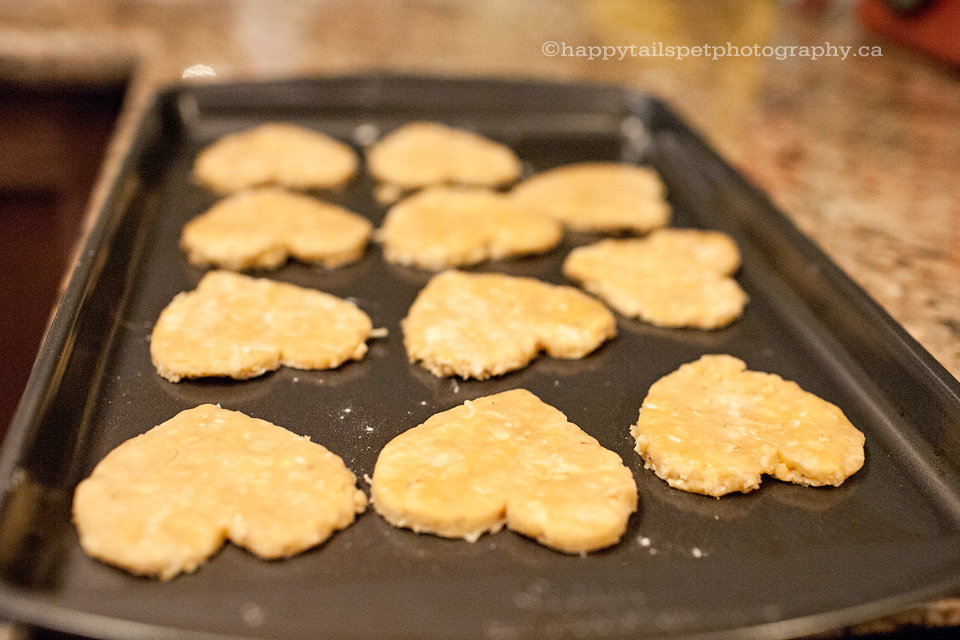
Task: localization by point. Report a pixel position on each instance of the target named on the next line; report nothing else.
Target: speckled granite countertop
(863, 153)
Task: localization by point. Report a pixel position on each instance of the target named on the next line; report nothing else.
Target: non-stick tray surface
(780, 561)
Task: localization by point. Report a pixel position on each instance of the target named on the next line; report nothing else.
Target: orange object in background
(929, 26)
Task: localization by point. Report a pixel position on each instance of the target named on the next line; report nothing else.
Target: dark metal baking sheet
(778, 562)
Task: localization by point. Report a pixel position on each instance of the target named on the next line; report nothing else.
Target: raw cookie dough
(241, 327)
(275, 153)
(442, 227)
(483, 325)
(672, 278)
(598, 196)
(160, 504)
(712, 427)
(505, 459)
(421, 154)
(262, 227)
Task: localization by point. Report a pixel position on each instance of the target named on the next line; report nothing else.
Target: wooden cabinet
(51, 144)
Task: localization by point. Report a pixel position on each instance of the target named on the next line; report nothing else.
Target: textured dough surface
(671, 278)
(262, 227)
(275, 153)
(442, 227)
(420, 154)
(598, 196)
(505, 459)
(163, 502)
(241, 327)
(712, 427)
(482, 325)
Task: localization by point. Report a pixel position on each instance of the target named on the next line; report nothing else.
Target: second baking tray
(777, 562)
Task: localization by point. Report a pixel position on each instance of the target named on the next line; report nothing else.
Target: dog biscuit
(671, 278)
(163, 502)
(597, 196)
(421, 154)
(506, 459)
(275, 154)
(241, 327)
(483, 325)
(262, 227)
(443, 227)
(713, 427)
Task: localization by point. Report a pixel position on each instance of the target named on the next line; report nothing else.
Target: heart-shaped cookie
(482, 325)
(506, 459)
(442, 227)
(421, 154)
(163, 502)
(597, 196)
(262, 227)
(275, 153)
(672, 278)
(241, 327)
(712, 427)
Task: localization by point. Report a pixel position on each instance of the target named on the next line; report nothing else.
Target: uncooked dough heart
(597, 196)
(163, 502)
(671, 278)
(443, 227)
(713, 427)
(237, 326)
(482, 325)
(275, 153)
(261, 227)
(421, 154)
(505, 459)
